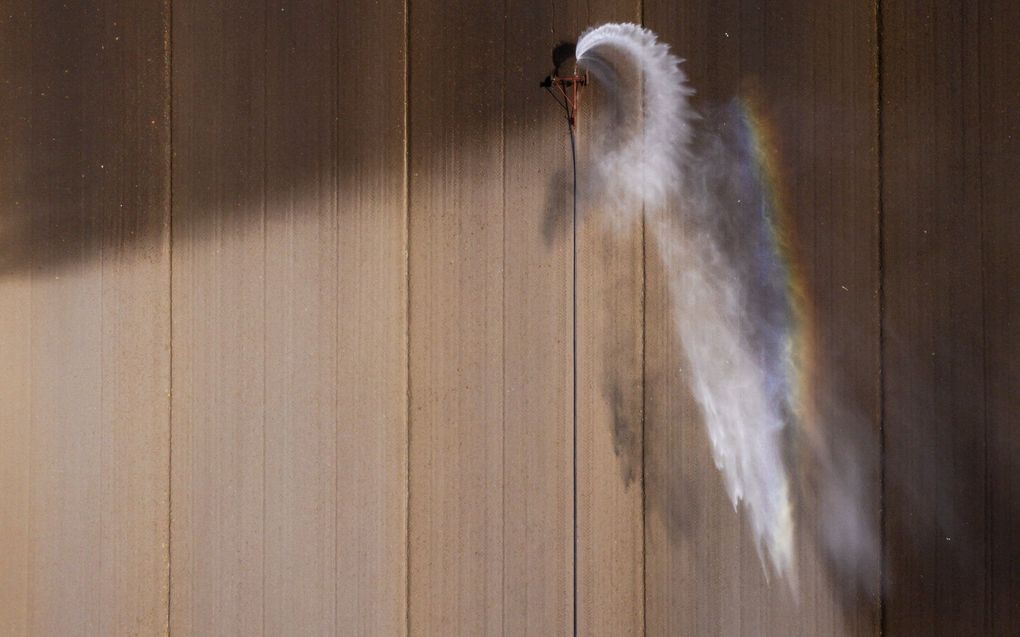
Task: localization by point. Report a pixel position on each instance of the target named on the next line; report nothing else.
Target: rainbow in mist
(762, 152)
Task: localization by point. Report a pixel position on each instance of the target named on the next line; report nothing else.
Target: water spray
(641, 164)
(710, 203)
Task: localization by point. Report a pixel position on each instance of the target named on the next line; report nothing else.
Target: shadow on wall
(947, 497)
(91, 171)
(86, 170)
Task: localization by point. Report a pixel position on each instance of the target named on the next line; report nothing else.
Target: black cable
(566, 106)
(563, 104)
(573, 163)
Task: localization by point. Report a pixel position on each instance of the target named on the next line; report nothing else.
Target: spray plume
(708, 202)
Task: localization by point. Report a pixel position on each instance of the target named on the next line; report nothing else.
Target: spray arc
(640, 165)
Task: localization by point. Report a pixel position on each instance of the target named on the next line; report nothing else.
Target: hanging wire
(569, 116)
(562, 103)
(574, 322)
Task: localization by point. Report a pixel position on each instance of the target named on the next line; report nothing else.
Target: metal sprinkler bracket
(567, 85)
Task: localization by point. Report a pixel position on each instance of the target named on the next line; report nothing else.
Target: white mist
(642, 158)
